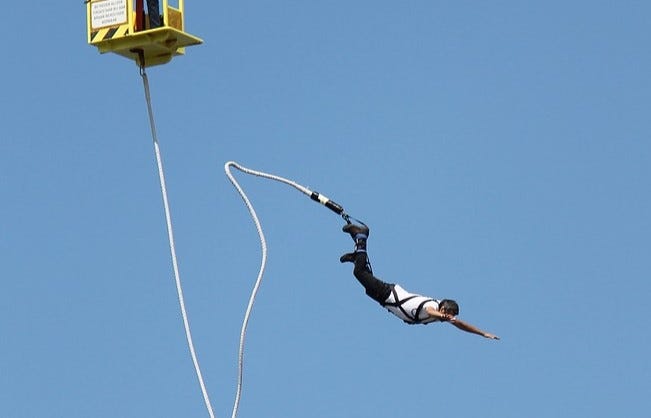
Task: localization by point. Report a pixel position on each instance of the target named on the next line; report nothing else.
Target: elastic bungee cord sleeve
(335, 207)
(170, 235)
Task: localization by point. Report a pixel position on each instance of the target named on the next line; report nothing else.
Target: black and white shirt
(410, 307)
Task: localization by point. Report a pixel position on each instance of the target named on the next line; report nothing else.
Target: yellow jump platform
(116, 26)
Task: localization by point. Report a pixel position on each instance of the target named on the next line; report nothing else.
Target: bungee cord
(316, 196)
(170, 235)
(335, 207)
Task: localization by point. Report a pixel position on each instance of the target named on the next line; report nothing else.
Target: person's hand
(491, 336)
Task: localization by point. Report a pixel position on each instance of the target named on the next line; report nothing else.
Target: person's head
(448, 306)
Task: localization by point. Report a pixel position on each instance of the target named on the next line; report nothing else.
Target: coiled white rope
(263, 244)
(170, 235)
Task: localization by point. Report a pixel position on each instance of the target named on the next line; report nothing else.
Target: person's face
(446, 311)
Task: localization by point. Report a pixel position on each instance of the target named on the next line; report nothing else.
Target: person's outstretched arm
(464, 326)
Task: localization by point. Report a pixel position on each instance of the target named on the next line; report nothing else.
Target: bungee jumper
(411, 308)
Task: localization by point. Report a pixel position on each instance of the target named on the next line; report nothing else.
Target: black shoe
(348, 258)
(355, 230)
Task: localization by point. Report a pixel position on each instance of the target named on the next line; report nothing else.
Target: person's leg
(375, 288)
(153, 10)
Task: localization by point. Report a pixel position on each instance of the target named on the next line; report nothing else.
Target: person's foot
(355, 230)
(348, 258)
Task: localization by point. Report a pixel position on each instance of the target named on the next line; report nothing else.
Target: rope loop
(263, 245)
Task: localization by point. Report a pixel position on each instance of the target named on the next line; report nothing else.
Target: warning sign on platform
(108, 13)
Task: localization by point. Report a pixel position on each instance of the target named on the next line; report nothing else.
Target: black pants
(153, 10)
(376, 289)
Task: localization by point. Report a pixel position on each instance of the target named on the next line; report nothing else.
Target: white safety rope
(170, 235)
(263, 244)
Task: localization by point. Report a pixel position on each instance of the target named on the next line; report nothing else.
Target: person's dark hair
(450, 306)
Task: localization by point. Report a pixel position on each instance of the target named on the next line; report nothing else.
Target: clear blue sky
(500, 152)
